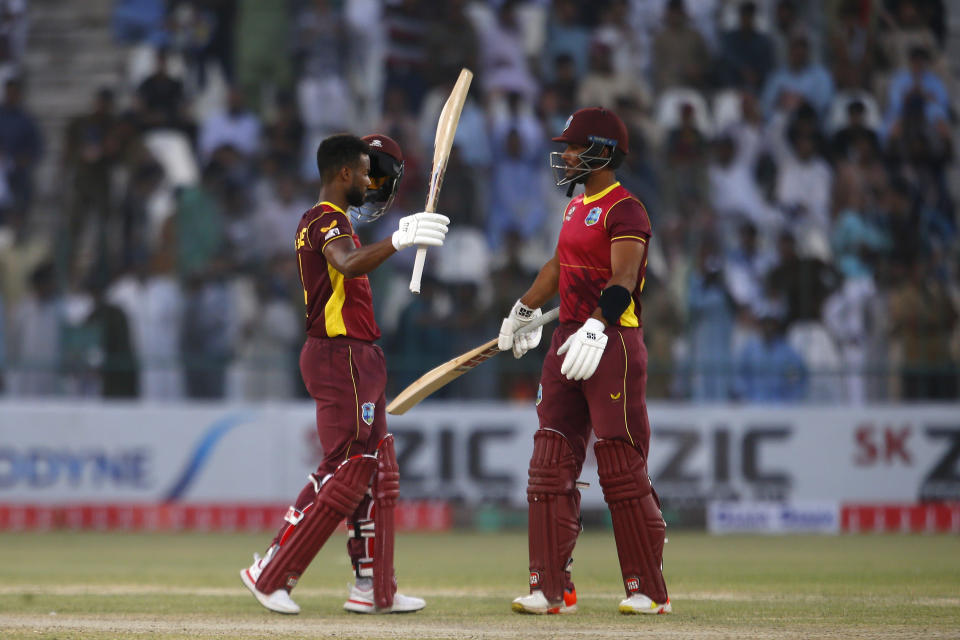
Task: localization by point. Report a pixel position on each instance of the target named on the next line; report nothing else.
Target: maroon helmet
(594, 128)
(386, 170)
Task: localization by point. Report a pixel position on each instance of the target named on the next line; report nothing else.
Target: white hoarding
(59, 453)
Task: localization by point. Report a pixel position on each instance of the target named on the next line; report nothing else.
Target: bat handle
(418, 269)
(545, 318)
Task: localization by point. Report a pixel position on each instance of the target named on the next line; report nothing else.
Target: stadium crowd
(795, 159)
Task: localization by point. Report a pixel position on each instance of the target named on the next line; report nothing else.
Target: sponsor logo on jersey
(539, 394)
(569, 214)
(592, 216)
(615, 396)
(331, 233)
(328, 227)
(366, 412)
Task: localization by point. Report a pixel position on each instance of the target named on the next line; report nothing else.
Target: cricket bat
(451, 370)
(446, 130)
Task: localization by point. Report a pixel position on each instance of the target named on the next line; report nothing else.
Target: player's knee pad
(638, 525)
(309, 529)
(554, 512)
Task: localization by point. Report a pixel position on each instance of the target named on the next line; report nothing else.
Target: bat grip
(545, 318)
(417, 274)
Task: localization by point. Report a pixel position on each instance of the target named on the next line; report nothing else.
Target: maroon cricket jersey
(590, 226)
(336, 306)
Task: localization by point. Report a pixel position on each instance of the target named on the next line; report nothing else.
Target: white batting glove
(585, 350)
(422, 229)
(520, 316)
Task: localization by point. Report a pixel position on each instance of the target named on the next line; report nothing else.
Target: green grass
(84, 585)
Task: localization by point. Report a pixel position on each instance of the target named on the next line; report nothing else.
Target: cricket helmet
(386, 171)
(594, 128)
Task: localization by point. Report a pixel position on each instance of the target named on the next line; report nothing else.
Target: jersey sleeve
(327, 227)
(628, 220)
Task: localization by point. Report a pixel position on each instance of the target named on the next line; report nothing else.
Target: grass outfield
(84, 585)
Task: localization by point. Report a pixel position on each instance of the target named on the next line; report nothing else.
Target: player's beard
(355, 196)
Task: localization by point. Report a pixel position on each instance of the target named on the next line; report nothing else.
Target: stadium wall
(224, 467)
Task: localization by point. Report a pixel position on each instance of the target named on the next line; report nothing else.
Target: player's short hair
(338, 151)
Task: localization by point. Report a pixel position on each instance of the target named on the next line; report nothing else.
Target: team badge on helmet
(592, 216)
(366, 412)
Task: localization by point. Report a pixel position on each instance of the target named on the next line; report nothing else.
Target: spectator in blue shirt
(565, 36)
(710, 309)
(801, 80)
(917, 82)
(746, 55)
(768, 368)
(21, 144)
(516, 203)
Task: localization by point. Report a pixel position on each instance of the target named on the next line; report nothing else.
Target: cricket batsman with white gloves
(345, 373)
(594, 375)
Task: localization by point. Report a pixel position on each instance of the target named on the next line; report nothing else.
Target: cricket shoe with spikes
(639, 603)
(280, 600)
(361, 601)
(537, 603)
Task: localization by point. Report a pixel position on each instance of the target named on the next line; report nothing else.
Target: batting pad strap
(638, 525)
(337, 499)
(293, 516)
(553, 512)
(386, 490)
(361, 530)
(614, 300)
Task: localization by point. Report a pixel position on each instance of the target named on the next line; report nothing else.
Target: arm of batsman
(423, 229)
(584, 349)
(520, 316)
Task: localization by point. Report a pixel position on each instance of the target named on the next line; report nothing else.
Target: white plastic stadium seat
(837, 115)
(142, 61)
(668, 109)
(727, 109)
(172, 150)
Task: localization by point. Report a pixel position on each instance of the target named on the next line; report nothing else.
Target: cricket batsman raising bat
(446, 130)
(346, 375)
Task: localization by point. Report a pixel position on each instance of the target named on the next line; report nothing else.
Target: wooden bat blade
(441, 376)
(449, 371)
(442, 143)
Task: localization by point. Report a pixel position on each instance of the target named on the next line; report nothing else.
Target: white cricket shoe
(639, 603)
(538, 604)
(279, 601)
(361, 601)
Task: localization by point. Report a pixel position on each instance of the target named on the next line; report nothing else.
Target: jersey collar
(597, 196)
(330, 204)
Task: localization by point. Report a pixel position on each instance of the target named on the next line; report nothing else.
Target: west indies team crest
(366, 412)
(592, 216)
